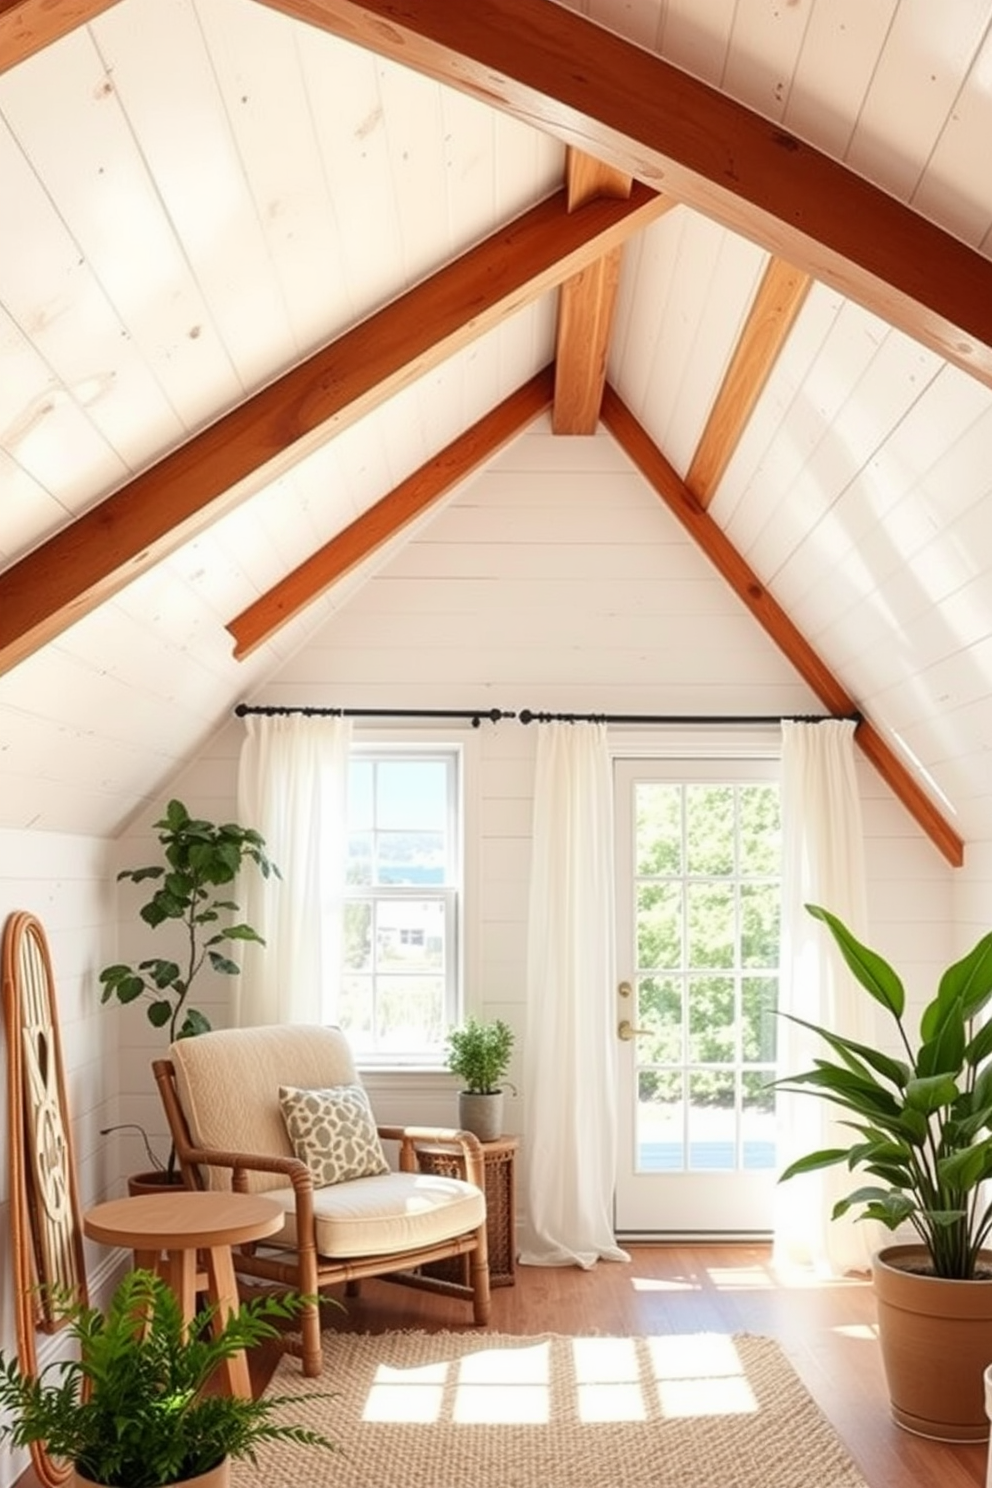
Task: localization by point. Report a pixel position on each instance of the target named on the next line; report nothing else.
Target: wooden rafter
(586, 305)
(390, 515)
(26, 26)
(627, 106)
(90, 560)
(772, 618)
(778, 301)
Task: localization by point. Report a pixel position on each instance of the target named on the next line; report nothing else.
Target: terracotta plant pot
(936, 1339)
(154, 1181)
(217, 1477)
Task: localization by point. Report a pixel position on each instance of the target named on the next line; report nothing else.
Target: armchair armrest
(240, 1163)
(465, 1143)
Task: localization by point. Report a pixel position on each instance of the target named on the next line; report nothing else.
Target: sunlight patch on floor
(610, 1379)
(739, 1278)
(652, 1284)
(867, 1332)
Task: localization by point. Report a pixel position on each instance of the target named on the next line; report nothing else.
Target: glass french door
(698, 894)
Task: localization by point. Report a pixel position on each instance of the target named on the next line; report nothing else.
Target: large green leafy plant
(922, 1124)
(480, 1054)
(133, 1410)
(201, 858)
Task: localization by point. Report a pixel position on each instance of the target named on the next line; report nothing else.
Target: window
(402, 906)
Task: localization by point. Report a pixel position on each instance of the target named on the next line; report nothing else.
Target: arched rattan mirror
(46, 1234)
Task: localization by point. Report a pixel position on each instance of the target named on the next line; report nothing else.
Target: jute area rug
(458, 1410)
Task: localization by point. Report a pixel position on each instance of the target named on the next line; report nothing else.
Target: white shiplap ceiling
(197, 195)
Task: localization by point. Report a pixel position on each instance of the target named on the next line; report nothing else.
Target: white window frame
(693, 1202)
(389, 743)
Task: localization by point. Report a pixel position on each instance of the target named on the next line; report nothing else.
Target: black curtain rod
(527, 715)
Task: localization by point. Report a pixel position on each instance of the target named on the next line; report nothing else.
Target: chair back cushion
(228, 1085)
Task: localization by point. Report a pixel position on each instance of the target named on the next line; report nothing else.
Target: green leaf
(156, 911)
(899, 1177)
(159, 1013)
(884, 1151)
(914, 1126)
(241, 932)
(194, 1023)
(128, 988)
(889, 1206)
(163, 973)
(970, 978)
(944, 1052)
(872, 971)
(863, 1093)
(931, 1093)
(140, 874)
(894, 1070)
(224, 964)
(829, 1157)
(981, 1045)
(945, 1218)
(981, 1094)
(963, 1170)
(176, 816)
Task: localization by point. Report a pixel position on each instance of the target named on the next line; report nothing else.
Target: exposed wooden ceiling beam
(772, 618)
(390, 515)
(561, 73)
(115, 541)
(586, 305)
(778, 301)
(26, 26)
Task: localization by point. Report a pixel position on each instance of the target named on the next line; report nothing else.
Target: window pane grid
(402, 903)
(707, 888)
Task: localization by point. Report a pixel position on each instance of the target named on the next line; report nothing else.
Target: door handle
(627, 1031)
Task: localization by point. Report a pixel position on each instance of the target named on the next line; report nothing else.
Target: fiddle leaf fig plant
(922, 1123)
(201, 858)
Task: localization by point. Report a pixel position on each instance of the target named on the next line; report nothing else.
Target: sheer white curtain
(823, 863)
(570, 1058)
(292, 787)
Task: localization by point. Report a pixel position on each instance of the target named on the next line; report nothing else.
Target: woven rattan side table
(499, 1160)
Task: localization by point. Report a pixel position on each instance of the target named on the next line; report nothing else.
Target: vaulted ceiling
(276, 277)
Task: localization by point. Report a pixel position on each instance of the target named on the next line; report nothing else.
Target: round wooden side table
(167, 1230)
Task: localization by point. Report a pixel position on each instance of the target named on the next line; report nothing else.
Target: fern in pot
(133, 1410)
(479, 1053)
(921, 1125)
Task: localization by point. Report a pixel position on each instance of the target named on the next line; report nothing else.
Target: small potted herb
(479, 1053)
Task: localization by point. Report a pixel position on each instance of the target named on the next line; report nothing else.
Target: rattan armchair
(220, 1091)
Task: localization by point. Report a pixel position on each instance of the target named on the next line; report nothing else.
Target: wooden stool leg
(179, 1270)
(222, 1291)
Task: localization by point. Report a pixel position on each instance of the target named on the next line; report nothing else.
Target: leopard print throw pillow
(333, 1131)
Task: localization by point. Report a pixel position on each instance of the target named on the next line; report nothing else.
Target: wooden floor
(826, 1329)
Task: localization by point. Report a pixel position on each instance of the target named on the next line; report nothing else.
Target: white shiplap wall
(577, 592)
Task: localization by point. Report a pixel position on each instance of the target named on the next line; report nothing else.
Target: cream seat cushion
(388, 1213)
